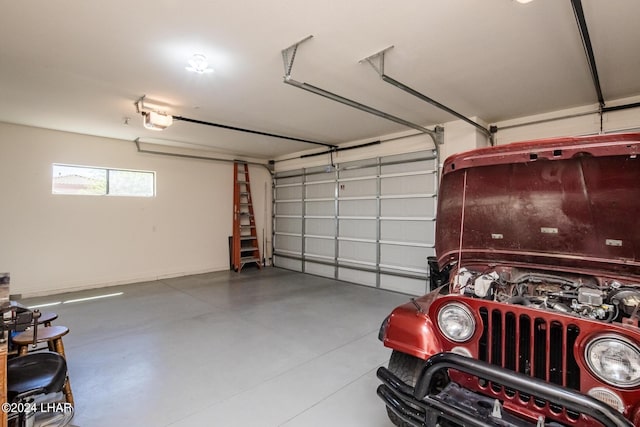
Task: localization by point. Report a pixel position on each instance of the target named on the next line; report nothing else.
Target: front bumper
(417, 408)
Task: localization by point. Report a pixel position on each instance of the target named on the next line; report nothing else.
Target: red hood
(565, 203)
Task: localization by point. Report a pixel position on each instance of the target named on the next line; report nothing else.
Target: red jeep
(533, 315)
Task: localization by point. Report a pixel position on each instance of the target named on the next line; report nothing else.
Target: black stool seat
(35, 373)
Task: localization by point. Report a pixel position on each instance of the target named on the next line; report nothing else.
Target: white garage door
(369, 222)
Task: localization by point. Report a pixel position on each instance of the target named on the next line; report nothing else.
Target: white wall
(460, 136)
(585, 122)
(53, 243)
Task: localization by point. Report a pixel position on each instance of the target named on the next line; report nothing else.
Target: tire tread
(407, 368)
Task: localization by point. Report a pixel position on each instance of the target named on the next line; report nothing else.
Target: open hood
(569, 203)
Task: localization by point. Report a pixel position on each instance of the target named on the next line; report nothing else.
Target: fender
(409, 329)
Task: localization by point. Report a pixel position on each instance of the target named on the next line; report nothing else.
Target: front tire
(407, 368)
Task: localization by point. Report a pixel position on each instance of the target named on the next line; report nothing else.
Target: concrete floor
(258, 348)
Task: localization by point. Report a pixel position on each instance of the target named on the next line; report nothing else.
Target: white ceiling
(79, 65)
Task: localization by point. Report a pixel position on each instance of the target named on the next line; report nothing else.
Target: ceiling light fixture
(524, 1)
(199, 64)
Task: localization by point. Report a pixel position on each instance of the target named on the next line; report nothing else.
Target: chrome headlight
(614, 360)
(456, 322)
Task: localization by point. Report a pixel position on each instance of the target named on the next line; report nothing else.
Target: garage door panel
(407, 207)
(400, 166)
(358, 229)
(324, 190)
(320, 227)
(403, 284)
(288, 263)
(290, 177)
(319, 269)
(359, 169)
(358, 251)
(323, 208)
(357, 276)
(358, 207)
(408, 231)
(288, 209)
(290, 244)
(415, 184)
(411, 259)
(289, 193)
(319, 173)
(320, 247)
(289, 225)
(360, 188)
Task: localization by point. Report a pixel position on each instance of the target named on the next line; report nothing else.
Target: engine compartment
(596, 298)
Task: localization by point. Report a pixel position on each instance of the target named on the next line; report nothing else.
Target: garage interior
(344, 113)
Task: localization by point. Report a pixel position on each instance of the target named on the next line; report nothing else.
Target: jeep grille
(530, 345)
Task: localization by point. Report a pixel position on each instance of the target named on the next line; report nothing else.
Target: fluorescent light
(93, 298)
(524, 1)
(157, 121)
(199, 64)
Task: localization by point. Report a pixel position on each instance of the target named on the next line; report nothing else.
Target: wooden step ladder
(245, 248)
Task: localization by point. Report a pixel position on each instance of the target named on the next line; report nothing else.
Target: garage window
(87, 180)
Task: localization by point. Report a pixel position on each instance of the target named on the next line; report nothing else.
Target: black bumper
(417, 408)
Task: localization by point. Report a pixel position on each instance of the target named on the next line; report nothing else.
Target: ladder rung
(249, 249)
(242, 182)
(249, 259)
(247, 226)
(248, 238)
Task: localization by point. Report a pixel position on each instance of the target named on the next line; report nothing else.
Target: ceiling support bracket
(377, 60)
(289, 55)
(377, 63)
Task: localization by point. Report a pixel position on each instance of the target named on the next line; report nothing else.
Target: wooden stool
(44, 319)
(52, 335)
(47, 317)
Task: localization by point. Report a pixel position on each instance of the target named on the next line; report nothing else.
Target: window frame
(107, 172)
